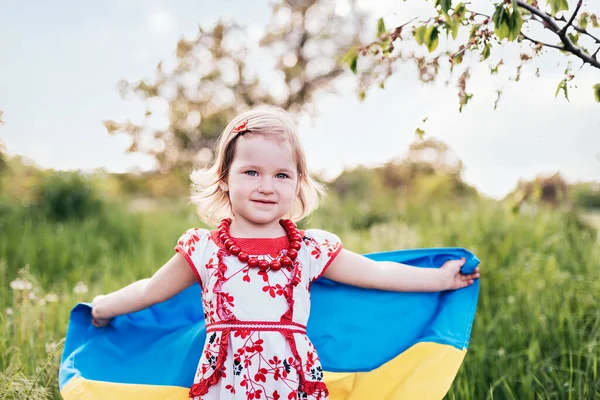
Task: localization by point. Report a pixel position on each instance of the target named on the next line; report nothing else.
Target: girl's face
(262, 180)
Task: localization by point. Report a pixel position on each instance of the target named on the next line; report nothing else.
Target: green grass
(536, 332)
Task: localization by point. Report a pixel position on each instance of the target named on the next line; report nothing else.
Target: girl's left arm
(357, 270)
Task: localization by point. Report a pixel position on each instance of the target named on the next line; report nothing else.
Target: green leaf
(562, 86)
(597, 92)
(474, 29)
(353, 63)
(420, 34)
(498, 15)
(446, 5)
(432, 38)
(498, 95)
(381, 27)
(459, 11)
(501, 22)
(595, 22)
(452, 25)
(574, 38)
(558, 5)
(456, 60)
(495, 69)
(420, 133)
(485, 53)
(515, 22)
(455, 30)
(351, 58)
(584, 20)
(464, 103)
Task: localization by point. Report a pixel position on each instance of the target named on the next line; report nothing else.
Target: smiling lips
(265, 202)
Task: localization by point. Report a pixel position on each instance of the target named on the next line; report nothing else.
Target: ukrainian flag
(372, 344)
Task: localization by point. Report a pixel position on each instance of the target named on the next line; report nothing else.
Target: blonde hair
(212, 202)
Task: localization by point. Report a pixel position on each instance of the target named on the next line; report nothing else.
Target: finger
(454, 264)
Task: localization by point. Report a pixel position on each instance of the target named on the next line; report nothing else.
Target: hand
(454, 279)
(96, 320)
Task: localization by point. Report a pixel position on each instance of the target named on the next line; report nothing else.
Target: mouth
(265, 202)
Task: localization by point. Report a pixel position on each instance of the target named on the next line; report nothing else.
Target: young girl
(256, 269)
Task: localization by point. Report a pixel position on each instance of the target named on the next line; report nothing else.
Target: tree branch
(480, 14)
(585, 32)
(551, 24)
(570, 22)
(541, 43)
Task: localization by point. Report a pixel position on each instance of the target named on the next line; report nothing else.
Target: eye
(251, 173)
(281, 175)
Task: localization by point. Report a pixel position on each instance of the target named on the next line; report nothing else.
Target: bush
(586, 195)
(66, 195)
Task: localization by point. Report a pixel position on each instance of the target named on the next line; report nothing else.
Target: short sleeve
(192, 245)
(322, 248)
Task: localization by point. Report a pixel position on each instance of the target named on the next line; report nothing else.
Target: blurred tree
(428, 160)
(64, 195)
(359, 183)
(573, 34)
(221, 72)
(548, 190)
(429, 172)
(3, 160)
(585, 194)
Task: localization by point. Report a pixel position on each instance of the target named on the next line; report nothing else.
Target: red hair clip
(241, 127)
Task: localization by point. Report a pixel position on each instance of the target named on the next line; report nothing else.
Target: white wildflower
(31, 296)
(51, 298)
(80, 288)
(50, 347)
(8, 311)
(20, 284)
(501, 352)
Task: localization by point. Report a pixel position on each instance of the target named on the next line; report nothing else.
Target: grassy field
(536, 333)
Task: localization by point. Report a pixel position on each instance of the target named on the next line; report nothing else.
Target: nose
(266, 185)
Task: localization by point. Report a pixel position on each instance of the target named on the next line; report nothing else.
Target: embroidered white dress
(256, 344)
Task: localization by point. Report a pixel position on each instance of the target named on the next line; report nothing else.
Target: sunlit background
(61, 64)
(108, 106)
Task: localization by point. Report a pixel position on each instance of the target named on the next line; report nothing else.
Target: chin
(265, 219)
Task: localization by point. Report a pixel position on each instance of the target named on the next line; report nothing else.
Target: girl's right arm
(172, 278)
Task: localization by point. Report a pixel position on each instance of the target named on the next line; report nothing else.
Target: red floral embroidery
(188, 241)
(253, 367)
(242, 333)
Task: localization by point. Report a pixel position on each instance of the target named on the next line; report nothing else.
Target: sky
(60, 63)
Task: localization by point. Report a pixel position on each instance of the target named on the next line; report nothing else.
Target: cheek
(290, 189)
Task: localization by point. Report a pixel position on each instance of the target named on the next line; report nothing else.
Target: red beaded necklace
(285, 260)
